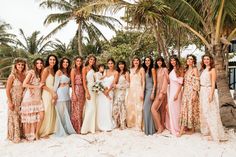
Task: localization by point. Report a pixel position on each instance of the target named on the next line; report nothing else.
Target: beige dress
(134, 104)
(189, 114)
(31, 106)
(210, 122)
(14, 131)
(48, 125)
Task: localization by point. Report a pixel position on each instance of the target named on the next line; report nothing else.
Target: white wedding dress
(104, 107)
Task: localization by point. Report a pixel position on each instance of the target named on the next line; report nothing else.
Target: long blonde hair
(19, 60)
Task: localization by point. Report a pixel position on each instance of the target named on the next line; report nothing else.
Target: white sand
(126, 143)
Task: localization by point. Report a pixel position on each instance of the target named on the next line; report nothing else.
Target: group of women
(149, 97)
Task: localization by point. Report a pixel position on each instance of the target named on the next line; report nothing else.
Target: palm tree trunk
(227, 105)
(79, 39)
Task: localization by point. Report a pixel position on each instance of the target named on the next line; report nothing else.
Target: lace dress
(210, 122)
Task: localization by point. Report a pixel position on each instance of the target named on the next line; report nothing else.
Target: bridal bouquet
(97, 87)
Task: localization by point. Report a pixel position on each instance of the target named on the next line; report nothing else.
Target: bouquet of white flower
(98, 87)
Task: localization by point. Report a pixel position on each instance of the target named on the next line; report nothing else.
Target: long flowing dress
(104, 107)
(119, 109)
(90, 106)
(63, 123)
(210, 121)
(134, 104)
(14, 131)
(78, 106)
(189, 114)
(48, 125)
(31, 106)
(149, 127)
(162, 85)
(174, 106)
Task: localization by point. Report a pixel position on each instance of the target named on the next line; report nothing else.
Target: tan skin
(78, 63)
(111, 72)
(194, 71)
(84, 73)
(157, 104)
(26, 84)
(20, 75)
(207, 61)
(136, 64)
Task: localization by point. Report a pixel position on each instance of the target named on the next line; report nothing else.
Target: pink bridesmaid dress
(172, 119)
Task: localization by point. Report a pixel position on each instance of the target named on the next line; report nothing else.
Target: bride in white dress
(105, 100)
(90, 102)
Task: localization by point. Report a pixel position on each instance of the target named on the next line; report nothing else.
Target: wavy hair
(61, 65)
(74, 63)
(132, 63)
(212, 62)
(159, 58)
(94, 67)
(15, 62)
(37, 71)
(178, 69)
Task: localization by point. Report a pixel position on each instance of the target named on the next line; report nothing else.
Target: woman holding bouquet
(90, 102)
(105, 99)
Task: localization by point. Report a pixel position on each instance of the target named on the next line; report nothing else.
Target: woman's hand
(11, 106)
(141, 96)
(87, 95)
(160, 96)
(74, 97)
(152, 96)
(176, 96)
(210, 98)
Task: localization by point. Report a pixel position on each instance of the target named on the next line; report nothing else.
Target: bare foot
(160, 130)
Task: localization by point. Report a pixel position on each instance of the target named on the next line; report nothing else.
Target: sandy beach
(118, 143)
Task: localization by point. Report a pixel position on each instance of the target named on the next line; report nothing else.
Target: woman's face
(39, 65)
(110, 65)
(101, 69)
(173, 62)
(65, 63)
(78, 62)
(206, 60)
(159, 63)
(190, 61)
(121, 66)
(20, 66)
(147, 62)
(52, 61)
(136, 62)
(91, 61)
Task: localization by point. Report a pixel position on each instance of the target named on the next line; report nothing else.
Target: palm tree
(5, 37)
(214, 23)
(33, 44)
(84, 13)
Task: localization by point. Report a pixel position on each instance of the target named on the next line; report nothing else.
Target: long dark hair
(159, 58)
(212, 63)
(111, 59)
(55, 67)
(81, 67)
(150, 67)
(37, 72)
(87, 61)
(132, 64)
(178, 70)
(61, 65)
(125, 67)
